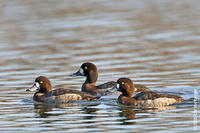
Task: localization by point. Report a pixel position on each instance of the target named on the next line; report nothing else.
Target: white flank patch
(158, 102)
(63, 98)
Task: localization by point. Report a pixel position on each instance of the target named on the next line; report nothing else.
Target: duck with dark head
(144, 99)
(89, 70)
(44, 93)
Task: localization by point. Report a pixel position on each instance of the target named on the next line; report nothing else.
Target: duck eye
(41, 82)
(85, 67)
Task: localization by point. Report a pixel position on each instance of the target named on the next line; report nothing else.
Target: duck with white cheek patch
(89, 70)
(44, 93)
(148, 99)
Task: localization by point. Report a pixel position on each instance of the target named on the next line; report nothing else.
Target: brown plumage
(145, 99)
(141, 88)
(89, 70)
(46, 94)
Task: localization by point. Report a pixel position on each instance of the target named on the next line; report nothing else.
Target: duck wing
(147, 95)
(107, 85)
(141, 88)
(77, 95)
(154, 95)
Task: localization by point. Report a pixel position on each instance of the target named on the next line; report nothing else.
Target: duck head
(126, 86)
(42, 85)
(89, 70)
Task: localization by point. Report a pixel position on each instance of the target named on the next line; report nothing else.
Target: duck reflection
(89, 110)
(45, 110)
(129, 113)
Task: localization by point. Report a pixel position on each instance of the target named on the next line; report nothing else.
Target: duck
(143, 99)
(90, 71)
(45, 94)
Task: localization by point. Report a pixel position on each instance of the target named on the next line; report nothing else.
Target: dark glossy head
(42, 85)
(89, 70)
(126, 86)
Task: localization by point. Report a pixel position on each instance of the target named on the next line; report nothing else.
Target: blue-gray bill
(35, 87)
(78, 73)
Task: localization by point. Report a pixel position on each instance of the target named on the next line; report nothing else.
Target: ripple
(158, 49)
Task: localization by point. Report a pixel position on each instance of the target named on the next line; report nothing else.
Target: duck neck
(92, 77)
(45, 89)
(40, 97)
(128, 93)
(90, 88)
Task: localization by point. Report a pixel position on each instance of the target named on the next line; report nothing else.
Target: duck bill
(78, 73)
(115, 88)
(33, 88)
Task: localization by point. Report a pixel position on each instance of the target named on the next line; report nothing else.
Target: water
(153, 42)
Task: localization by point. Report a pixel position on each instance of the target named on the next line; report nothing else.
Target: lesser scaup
(89, 70)
(144, 99)
(44, 93)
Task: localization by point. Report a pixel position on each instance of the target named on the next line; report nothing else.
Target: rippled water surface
(153, 42)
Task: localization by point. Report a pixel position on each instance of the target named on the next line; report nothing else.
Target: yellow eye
(85, 67)
(41, 82)
(123, 83)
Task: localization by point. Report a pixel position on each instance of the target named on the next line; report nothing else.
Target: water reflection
(90, 110)
(153, 42)
(43, 110)
(46, 110)
(130, 113)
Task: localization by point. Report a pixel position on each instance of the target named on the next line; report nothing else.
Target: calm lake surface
(153, 42)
